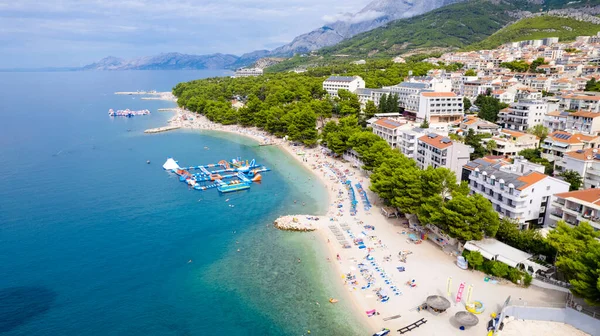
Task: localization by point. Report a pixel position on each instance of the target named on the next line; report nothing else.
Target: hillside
(453, 26)
(566, 29)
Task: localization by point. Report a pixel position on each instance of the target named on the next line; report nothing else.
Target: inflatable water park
(225, 176)
(127, 113)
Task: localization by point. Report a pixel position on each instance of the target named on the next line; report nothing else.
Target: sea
(96, 241)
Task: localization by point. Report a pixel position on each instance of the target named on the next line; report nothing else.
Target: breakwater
(161, 129)
(303, 223)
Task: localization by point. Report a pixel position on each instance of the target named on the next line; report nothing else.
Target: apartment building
(520, 191)
(555, 121)
(583, 122)
(409, 91)
(479, 126)
(374, 95)
(472, 89)
(440, 107)
(439, 151)
(558, 143)
(580, 102)
(575, 207)
(541, 83)
(510, 143)
(586, 162)
(335, 83)
(504, 96)
(388, 130)
(523, 114)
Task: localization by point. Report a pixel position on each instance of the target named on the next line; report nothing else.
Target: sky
(57, 33)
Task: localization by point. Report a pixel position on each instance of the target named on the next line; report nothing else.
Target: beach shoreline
(428, 265)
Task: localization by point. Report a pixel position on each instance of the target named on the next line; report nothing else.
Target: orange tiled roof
(388, 123)
(582, 97)
(531, 179)
(588, 195)
(436, 142)
(554, 113)
(572, 138)
(513, 133)
(586, 114)
(581, 154)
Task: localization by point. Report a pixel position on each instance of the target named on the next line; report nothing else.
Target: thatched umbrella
(466, 319)
(438, 302)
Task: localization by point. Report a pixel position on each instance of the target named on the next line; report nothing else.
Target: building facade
(335, 83)
(439, 151)
(510, 143)
(523, 114)
(440, 107)
(388, 130)
(558, 143)
(520, 191)
(575, 207)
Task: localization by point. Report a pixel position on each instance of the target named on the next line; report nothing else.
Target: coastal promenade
(370, 271)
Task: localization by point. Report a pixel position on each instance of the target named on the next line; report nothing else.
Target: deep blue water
(94, 241)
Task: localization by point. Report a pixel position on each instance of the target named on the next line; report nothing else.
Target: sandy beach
(375, 271)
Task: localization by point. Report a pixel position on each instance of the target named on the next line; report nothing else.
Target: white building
(388, 130)
(555, 121)
(584, 122)
(510, 143)
(335, 83)
(575, 207)
(579, 102)
(440, 107)
(523, 114)
(558, 143)
(520, 191)
(479, 126)
(586, 162)
(248, 72)
(440, 151)
(409, 91)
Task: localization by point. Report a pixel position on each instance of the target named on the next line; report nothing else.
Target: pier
(137, 93)
(161, 129)
(172, 109)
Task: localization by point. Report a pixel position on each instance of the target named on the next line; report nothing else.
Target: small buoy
(148, 162)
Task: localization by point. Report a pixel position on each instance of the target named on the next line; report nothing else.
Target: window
(547, 188)
(530, 201)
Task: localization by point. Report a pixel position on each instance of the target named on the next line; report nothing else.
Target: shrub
(475, 259)
(514, 275)
(499, 269)
(527, 280)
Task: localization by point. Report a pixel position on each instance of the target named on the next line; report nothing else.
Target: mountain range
(382, 28)
(341, 27)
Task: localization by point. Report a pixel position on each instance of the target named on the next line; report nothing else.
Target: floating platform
(225, 176)
(127, 113)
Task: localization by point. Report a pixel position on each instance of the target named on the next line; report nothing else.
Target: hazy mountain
(343, 26)
(167, 61)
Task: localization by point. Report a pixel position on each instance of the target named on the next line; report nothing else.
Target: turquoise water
(94, 241)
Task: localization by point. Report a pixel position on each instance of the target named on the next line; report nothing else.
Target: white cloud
(154, 26)
(353, 18)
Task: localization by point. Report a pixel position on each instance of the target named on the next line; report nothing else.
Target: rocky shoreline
(301, 223)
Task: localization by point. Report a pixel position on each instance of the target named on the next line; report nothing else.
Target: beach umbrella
(438, 302)
(466, 319)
